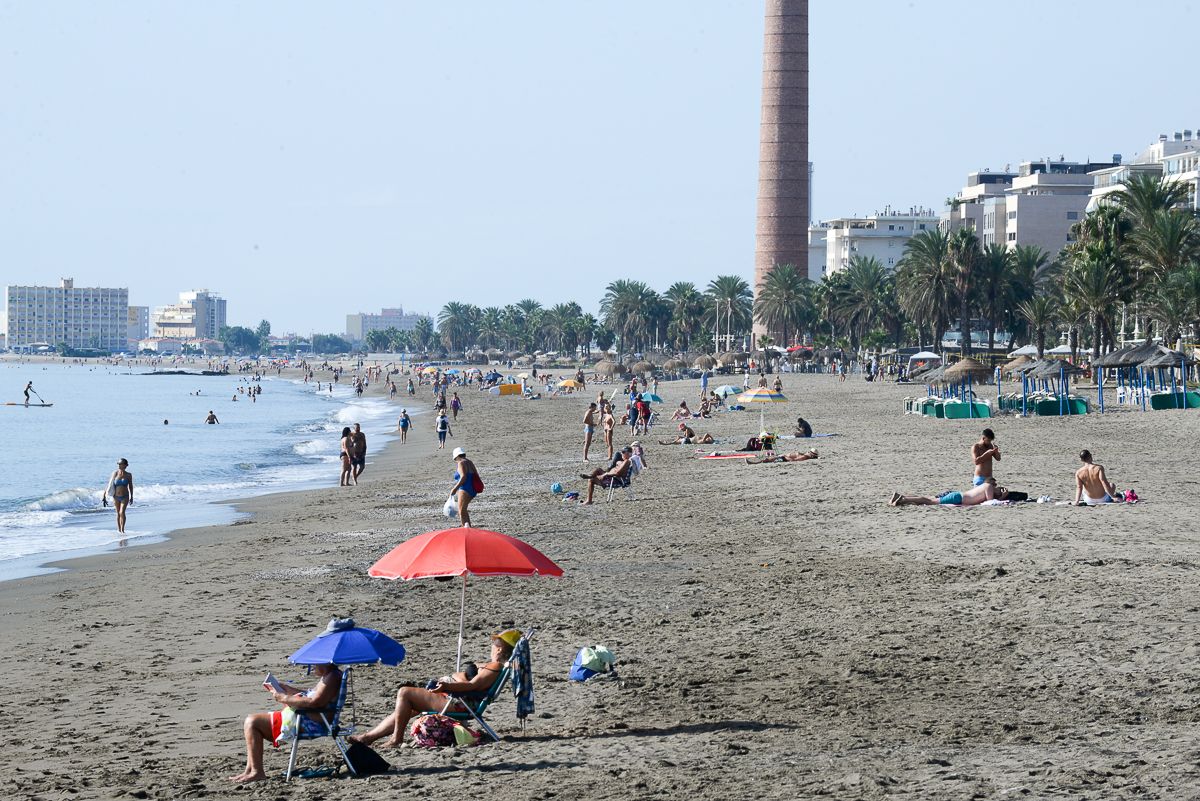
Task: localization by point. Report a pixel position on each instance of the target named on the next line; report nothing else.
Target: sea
(58, 458)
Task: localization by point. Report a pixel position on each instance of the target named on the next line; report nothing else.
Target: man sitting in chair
(268, 725)
(617, 474)
(411, 701)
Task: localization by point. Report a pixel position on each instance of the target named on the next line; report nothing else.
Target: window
(891, 260)
(891, 228)
(1012, 236)
(921, 226)
(1072, 215)
(1012, 215)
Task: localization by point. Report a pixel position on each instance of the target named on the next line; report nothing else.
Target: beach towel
(734, 455)
(522, 678)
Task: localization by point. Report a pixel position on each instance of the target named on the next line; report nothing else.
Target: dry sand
(782, 632)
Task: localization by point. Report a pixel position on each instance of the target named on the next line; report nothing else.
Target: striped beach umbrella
(761, 395)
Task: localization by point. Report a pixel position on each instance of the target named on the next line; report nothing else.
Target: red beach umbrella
(463, 552)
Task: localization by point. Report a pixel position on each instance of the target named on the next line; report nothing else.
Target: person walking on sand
(442, 425)
(120, 487)
(589, 428)
(455, 405)
(703, 384)
(404, 423)
(358, 453)
(607, 424)
(346, 448)
(983, 453)
(467, 484)
(1092, 486)
(212, 418)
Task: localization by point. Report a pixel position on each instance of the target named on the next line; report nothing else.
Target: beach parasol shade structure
(799, 354)
(463, 552)
(705, 362)
(761, 395)
(732, 358)
(650, 397)
(642, 368)
(430, 369)
(476, 357)
(343, 643)
(1024, 350)
(1015, 363)
(674, 365)
(965, 368)
(494, 353)
(569, 383)
(725, 390)
(610, 368)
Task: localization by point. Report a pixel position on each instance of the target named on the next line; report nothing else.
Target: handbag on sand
(366, 761)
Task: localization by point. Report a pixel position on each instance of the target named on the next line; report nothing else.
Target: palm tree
(1095, 281)
(626, 308)
(731, 303)
(784, 302)
(964, 255)
(857, 296)
(1170, 306)
(996, 285)
(924, 284)
(399, 341)
(585, 332)
(490, 331)
(423, 333)
(1144, 194)
(1166, 240)
(1041, 313)
(687, 312)
(377, 340)
(457, 323)
(1187, 283)
(1031, 270)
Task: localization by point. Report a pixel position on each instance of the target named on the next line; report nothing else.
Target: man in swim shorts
(212, 418)
(358, 456)
(1092, 486)
(986, 491)
(589, 428)
(983, 453)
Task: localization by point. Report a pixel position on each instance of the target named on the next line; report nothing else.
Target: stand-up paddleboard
(28, 404)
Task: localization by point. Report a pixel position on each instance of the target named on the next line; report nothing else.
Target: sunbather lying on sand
(972, 497)
(411, 701)
(783, 457)
(687, 437)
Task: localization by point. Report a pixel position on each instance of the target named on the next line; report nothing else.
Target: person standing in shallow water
(120, 487)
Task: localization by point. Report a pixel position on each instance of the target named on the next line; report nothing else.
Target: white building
(199, 314)
(138, 326)
(1177, 153)
(966, 208)
(361, 324)
(817, 241)
(881, 235)
(83, 317)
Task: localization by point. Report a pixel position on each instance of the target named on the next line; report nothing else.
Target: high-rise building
(78, 317)
(199, 314)
(880, 236)
(1171, 158)
(781, 235)
(363, 323)
(138, 325)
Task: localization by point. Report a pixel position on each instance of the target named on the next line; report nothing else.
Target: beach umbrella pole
(462, 617)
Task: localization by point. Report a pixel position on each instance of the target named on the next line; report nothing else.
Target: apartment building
(78, 317)
(361, 324)
(199, 314)
(138, 326)
(1178, 153)
(881, 235)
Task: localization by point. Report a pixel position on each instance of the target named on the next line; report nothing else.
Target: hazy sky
(312, 159)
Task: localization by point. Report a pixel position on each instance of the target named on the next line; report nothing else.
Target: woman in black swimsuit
(120, 487)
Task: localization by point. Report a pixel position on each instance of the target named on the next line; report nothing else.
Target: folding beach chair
(332, 718)
(624, 482)
(474, 710)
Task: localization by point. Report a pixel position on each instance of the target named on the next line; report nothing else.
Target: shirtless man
(972, 497)
(983, 453)
(358, 457)
(1091, 483)
(687, 437)
(212, 418)
(783, 457)
(607, 424)
(589, 428)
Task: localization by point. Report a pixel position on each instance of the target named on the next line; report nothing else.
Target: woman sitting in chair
(411, 701)
(268, 725)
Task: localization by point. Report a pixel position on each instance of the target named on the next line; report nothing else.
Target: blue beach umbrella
(725, 390)
(651, 397)
(343, 643)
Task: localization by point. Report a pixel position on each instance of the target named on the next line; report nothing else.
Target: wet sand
(782, 632)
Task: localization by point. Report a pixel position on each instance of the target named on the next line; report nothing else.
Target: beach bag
(436, 731)
(477, 483)
(450, 508)
(366, 761)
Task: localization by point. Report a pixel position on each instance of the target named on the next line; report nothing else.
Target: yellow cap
(508, 637)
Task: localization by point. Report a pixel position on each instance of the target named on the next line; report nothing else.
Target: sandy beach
(781, 631)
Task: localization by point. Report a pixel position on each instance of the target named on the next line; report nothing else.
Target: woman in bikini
(413, 700)
(347, 449)
(120, 487)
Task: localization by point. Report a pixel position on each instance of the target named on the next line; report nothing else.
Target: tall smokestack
(781, 236)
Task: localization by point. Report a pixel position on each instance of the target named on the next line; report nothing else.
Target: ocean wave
(314, 447)
(77, 498)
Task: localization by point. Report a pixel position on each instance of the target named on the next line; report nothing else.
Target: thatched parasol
(610, 368)
(1016, 363)
(799, 355)
(731, 358)
(476, 357)
(642, 368)
(960, 370)
(705, 362)
(674, 365)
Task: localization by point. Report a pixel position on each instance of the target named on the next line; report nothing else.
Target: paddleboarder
(28, 389)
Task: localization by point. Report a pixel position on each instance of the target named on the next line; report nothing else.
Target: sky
(308, 160)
